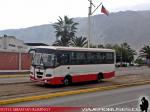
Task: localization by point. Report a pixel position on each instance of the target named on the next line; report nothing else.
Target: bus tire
(99, 77)
(67, 80)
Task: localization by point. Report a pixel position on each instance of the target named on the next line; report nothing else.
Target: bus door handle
(68, 67)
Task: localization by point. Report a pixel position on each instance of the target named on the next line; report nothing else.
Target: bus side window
(73, 57)
(56, 63)
(88, 59)
(100, 57)
(94, 58)
(80, 58)
(65, 59)
(58, 58)
(104, 58)
(110, 57)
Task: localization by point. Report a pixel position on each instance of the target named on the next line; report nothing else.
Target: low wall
(15, 61)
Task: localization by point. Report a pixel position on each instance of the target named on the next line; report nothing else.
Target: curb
(59, 94)
(13, 76)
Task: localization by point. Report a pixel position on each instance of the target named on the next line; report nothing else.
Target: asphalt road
(119, 71)
(117, 98)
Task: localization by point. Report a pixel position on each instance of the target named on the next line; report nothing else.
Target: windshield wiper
(42, 63)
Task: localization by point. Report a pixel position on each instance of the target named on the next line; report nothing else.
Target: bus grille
(39, 74)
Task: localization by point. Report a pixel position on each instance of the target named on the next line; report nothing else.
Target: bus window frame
(86, 61)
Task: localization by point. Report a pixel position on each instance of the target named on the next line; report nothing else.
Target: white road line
(123, 102)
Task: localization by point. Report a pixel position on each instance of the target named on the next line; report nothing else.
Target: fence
(15, 61)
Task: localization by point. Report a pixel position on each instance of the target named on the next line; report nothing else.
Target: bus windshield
(42, 59)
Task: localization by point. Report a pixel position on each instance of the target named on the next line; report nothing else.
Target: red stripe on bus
(75, 78)
(109, 75)
(84, 77)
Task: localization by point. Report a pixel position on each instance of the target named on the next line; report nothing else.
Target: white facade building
(11, 44)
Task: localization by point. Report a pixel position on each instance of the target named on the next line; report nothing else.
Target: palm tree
(124, 53)
(65, 30)
(130, 54)
(59, 43)
(79, 42)
(109, 46)
(96, 46)
(145, 53)
(100, 46)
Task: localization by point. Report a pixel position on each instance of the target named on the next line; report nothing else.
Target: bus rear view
(67, 65)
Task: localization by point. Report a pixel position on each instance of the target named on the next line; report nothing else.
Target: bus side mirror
(32, 52)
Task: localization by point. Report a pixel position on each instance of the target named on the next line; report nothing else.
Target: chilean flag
(104, 10)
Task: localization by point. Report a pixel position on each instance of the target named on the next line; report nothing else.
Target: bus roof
(75, 48)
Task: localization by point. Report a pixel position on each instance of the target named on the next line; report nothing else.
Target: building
(11, 44)
(14, 54)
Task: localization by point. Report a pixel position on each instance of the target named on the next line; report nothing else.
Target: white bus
(66, 65)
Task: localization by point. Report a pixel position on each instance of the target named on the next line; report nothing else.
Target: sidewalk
(14, 72)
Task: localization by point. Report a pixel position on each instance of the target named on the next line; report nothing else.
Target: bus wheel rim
(99, 78)
(66, 81)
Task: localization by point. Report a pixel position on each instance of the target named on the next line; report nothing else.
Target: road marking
(73, 92)
(120, 103)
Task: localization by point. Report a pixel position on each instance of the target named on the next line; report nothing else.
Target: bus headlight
(48, 75)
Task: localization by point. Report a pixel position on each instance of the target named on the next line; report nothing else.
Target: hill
(132, 27)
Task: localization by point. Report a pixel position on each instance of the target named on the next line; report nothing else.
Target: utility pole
(89, 20)
(89, 23)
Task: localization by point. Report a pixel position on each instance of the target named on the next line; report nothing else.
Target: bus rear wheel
(99, 77)
(67, 81)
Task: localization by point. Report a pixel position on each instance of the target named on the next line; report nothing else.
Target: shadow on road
(79, 84)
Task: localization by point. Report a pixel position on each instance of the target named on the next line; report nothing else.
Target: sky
(16, 14)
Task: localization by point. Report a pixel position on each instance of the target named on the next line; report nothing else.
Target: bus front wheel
(67, 80)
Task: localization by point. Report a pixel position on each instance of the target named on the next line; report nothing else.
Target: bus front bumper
(52, 81)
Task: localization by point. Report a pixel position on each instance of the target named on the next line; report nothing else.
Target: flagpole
(89, 23)
(89, 20)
